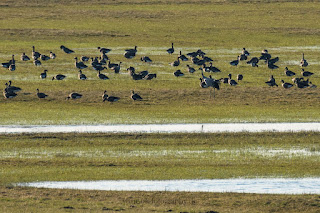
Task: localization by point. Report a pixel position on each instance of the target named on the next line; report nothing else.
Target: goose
(82, 76)
(95, 62)
(24, 57)
(74, 95)
(134, 96)
(272, 66)
(178, 73)
(265, 55)
(11, 88)
(206, 82)
(41, 94)
(175, 63)
(231, 82)
(134, 75)
(303, 62)
(200, 53)
(52, 55)
(37, 62)
(84, 58)
(243, 57)
(35, 55)
(213, 68)
(145, 59)
(273, 60)
(306, 73)
(205, 68)
(235, 62)
(110, 65)
(102, 76)
(102, 61)
(59, 77)
(171, 50)
(7, 64)
(66, 50)
(103, 50)
(12, 67)
(312, 85)
(239, 77)
(98, 67)
(224, 80)
(301, 83)
(44, 57)
(132, 50)
(80, 65)
(203, 84)
(106, 97)
(286, 85)
(253, 61)
(289, 72)
(44, 74)
(190, 69)
(104, 56)
(192, 54)
(245, 52)
(129, 55)
(116, 69)
(271, 82)
(9, 94)
(183, 57)
(206, 59)
(150, 76)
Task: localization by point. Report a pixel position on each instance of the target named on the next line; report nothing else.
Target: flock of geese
(198, 58)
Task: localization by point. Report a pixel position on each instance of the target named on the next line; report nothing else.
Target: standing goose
(286, 85)
(289, 72)
(82, 76)
(306, 73)
(116, 69)
(7, 64)
(24, 57)
(235, 62)
(271, 82)
(183, 57)
(11, 88)
(35, 55)
(171, 50)
(74, 95)
(190, 69)
(303, 62)
(59, 77)
(44, 74)
(111, 99)
(66, 50)
(41, 94)
(102, 76)
(129, 55)
(132, 50)
(12, 66)
(80, 65)
(135, 96)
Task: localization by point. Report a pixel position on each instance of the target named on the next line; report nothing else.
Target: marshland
(221, 29)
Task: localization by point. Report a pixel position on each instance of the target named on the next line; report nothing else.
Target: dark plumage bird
(9, 88)
(303, 62)
(271, 82)
(132, 50)
(235, 62)
(213, 68)
(253, 61)
(9, 94)
(245, 52)
(135, 96)
(52, 55)
(84, 58)
(80, 65)
(178, 73)
(286, 85)
(129, 55)
(289, 72)
(175, 63)
(59, 77)
(171, 50)
(44, 57)
(24, 57)
(182, 57)
(102, 76)
(35, 55)
(74, 95)
(190, 69)
(44, 74)
(116, 68)
(106, 97)
(103, 50)
(37, 62)
(82, 76)
(41, 94)
(306, 73)
(66, 50)
(145, 59)
(239, 77)
(7, 64)
(150, 76)
(231, 82)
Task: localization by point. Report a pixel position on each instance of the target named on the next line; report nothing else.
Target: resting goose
(41, 94)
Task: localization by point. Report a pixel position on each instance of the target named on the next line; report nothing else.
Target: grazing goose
(175, 63)
(44, 74)
(245, 52)
(289, 72)
(190, 69)
(35, 55)
(286, 85)
(231, 82)
(178, 73)
(192, 54)
(84, 58)
(239, 77)
(171, 50)
(41, 94)
(108, 98)
(200, 53)
(82, 76)
(44, 57)
(103, 50)
(253, 61)
(37, 62)
(150, 76)
(306, 73)
(273, 60)
(303, 62)
(135, 96)
(271, 82)
(66, 50)
(98, 67)
(59, 77)
(102, 76)
(235, 62)
(24, 57)
(104, 56)
(205, 68)
(145, 59)
(52, 55)
(135, 76)
(80, 65)
(74, 95)
(183, 57)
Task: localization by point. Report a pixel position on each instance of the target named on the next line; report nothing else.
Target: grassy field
(28, 158)
(221, 28)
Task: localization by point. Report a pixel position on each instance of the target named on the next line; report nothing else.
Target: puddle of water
(258, 185)
(164, 128)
